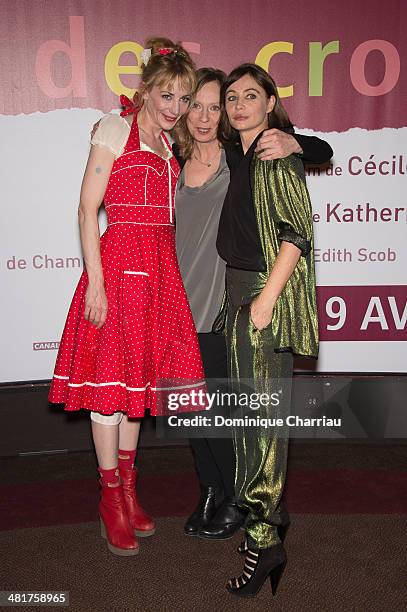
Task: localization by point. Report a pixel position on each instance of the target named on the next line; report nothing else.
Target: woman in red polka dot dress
(129, 331)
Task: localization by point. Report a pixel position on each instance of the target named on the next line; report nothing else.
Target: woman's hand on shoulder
(96, 305)
(275, 144)
(261, 313)
(112, 124)
(95, 127)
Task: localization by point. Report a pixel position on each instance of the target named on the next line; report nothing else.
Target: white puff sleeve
(112, 133)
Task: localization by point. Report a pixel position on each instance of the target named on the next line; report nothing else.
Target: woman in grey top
(202, 187)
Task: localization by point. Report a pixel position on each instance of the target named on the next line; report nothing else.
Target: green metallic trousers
(261, 452)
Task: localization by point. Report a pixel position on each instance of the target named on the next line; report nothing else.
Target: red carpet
(60, 502)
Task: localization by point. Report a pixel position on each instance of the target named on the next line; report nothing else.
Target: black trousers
(214, 457)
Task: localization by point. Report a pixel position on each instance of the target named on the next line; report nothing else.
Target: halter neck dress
(148, 344)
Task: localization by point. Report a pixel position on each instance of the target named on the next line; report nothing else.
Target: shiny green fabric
(255, 367)
(283, 212)
(262, 360)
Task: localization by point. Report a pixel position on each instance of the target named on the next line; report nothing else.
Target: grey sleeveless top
(197, 212)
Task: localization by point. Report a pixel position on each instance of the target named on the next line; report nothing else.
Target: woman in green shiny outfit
(266, 238)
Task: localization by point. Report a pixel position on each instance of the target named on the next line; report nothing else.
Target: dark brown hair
(277, 118)
(180, 131)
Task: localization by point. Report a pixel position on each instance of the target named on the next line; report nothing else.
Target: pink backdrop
(365, 36)
(341, 67)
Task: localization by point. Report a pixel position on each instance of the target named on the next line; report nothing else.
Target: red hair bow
(129, 106)
(166, 50)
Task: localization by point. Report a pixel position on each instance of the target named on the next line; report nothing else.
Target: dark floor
(346, 544)
(336, 563)
(302, 456)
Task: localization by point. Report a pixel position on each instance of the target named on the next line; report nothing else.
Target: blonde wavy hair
(163, 69)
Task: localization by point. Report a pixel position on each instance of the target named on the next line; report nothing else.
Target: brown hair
(277, 118)
(181, 132)
(162, 68)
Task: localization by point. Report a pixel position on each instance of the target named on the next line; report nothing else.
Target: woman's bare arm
(93, 189)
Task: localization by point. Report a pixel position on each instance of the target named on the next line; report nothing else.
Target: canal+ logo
(45, 346)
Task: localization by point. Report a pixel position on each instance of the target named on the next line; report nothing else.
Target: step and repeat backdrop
(340, 71)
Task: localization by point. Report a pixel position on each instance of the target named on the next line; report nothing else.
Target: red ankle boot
(114, 524)
(140, 521)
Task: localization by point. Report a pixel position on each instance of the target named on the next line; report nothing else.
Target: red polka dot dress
(148, 343)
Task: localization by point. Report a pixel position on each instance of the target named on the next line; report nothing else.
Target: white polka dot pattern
(149, 335)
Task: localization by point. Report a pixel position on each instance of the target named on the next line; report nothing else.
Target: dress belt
(138, 205)
(138, 223)
(139, 214)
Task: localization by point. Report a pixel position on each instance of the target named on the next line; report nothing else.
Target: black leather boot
(204, 512)
(228, 519)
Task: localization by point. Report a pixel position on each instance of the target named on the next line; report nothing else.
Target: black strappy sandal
(260, 564)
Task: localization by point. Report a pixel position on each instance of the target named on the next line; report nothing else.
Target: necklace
(208, 164)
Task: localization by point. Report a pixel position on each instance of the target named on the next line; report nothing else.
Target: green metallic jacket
(283, 212)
